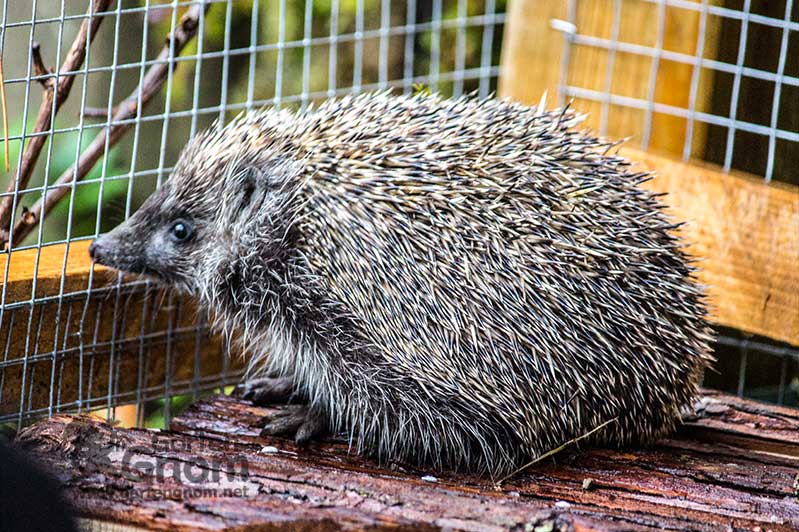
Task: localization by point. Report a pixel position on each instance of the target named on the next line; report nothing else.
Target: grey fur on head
(457, 283)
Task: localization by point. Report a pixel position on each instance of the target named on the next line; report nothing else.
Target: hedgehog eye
(181, 230)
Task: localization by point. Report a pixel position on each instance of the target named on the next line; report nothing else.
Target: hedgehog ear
(247, 190)
(251, 184)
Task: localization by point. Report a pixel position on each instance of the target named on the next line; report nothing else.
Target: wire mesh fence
(76, 343)
(707, 79)
(72, 341)
(739, 52)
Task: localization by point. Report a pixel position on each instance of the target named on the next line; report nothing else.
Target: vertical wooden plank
(533, 50)
(673, 87)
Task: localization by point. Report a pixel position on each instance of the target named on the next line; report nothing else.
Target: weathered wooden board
(99, 338)
(745, 235)
(733, 467)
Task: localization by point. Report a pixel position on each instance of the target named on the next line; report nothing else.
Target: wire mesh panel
(109, 91)
(78, 338)
(710, 79)
(742, 76)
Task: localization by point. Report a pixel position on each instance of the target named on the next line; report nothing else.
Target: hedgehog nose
(95, 251)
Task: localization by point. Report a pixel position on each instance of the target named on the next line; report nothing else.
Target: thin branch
(52, 99)
(99, 112)
(41, 71)
(120, 123)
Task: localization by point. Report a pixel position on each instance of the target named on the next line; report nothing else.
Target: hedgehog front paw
(266, 391)
(304, 423)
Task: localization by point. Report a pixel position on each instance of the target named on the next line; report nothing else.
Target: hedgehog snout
(96, 251)
(103, 251)
(116, 250)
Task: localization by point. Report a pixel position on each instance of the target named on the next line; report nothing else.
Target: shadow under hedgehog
(456, 283)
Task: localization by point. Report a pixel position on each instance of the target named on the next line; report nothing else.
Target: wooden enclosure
(733, 464)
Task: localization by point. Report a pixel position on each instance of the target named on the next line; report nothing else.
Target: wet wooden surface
(735, 466)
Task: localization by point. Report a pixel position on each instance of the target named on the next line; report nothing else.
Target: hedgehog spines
(461, 283)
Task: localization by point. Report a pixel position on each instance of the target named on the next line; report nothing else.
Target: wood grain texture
(745, 235)
(533, 50)
(46, 266)
(78, 343)
(717, 473)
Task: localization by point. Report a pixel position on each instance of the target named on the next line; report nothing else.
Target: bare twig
(99, 112)
(39, 69)
(51, 101)
(120, 122)
(5, 113)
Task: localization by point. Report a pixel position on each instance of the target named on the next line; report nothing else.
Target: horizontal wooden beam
(745, 235)
(82, 338)
(49, 265)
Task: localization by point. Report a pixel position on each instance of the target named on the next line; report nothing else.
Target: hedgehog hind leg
(300, 421)
(267, 390)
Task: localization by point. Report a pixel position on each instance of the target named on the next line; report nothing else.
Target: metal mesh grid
(745, 53)
(746, 21)
(88, 336)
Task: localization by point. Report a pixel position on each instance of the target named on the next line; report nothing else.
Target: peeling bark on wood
(733, 466)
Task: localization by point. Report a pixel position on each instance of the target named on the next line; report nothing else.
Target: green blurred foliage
(155, 411)
(292, 56)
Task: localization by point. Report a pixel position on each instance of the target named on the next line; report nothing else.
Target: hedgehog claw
(266, 390)
(312, 428)
(298, 420)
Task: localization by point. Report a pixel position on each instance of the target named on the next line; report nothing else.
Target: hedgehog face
(162, 240)
(220, 209)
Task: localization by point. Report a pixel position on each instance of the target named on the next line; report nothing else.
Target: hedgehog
(457, 284)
